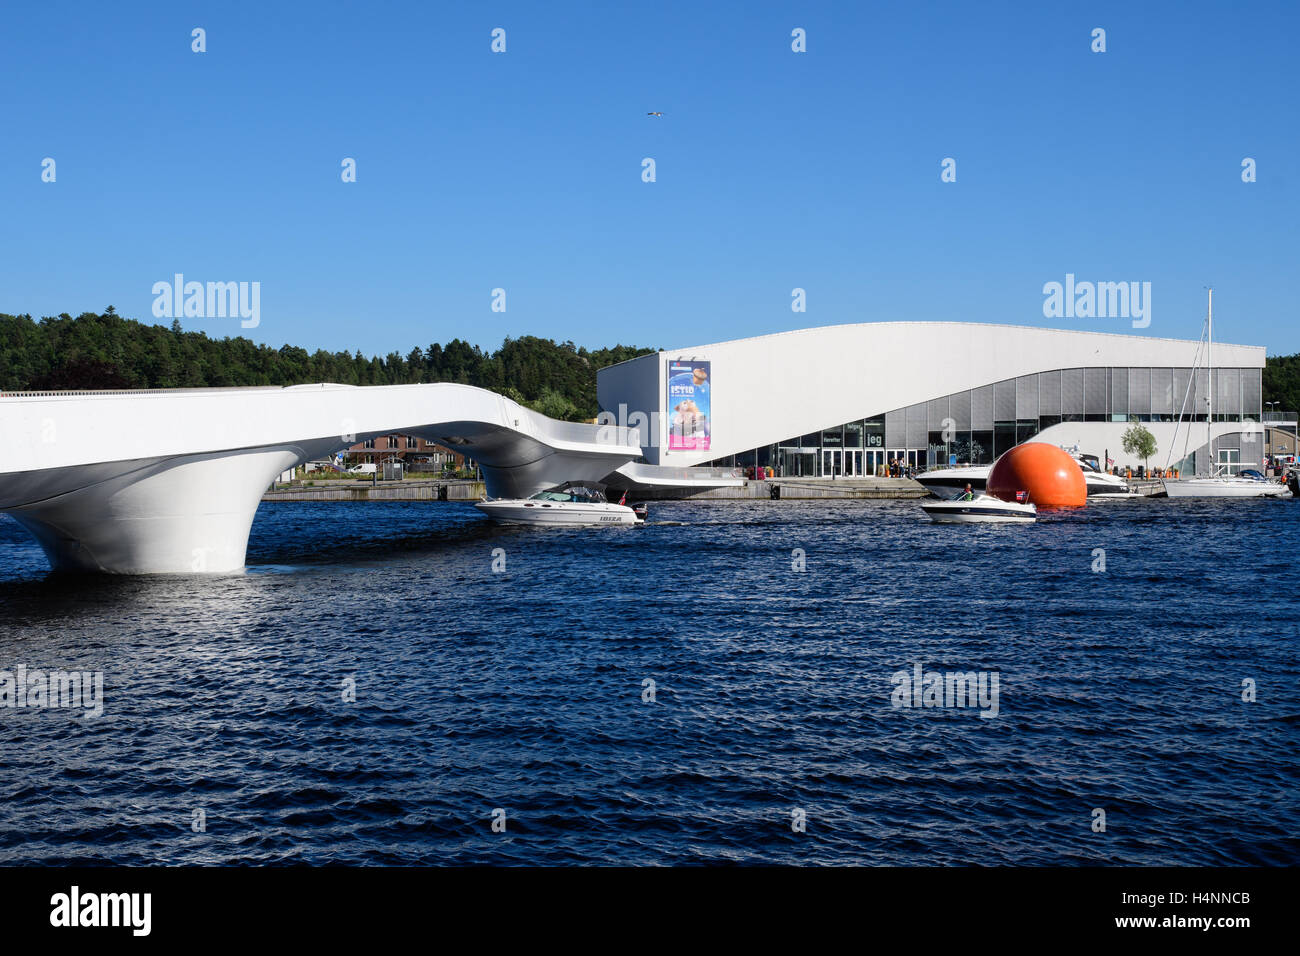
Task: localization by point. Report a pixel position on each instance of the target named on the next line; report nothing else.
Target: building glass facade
(977, 425)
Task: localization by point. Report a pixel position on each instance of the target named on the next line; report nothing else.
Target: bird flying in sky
(654, 114)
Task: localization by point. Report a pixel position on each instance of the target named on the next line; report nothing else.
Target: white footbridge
(153, 481)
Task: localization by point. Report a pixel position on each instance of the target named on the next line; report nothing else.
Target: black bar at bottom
(335, 905)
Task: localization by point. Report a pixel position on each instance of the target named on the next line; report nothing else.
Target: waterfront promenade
(415, 489)
(409, 489)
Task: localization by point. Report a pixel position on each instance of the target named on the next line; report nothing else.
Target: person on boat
(967, 494)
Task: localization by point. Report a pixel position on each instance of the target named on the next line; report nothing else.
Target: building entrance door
(832, 462)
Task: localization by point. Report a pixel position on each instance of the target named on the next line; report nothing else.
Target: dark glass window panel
(1004, 437)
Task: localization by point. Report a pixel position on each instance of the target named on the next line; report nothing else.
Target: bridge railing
(80, 392)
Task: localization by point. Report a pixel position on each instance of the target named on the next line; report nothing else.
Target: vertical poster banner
(689, 389)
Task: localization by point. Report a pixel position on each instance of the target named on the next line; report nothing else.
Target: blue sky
(775, 169)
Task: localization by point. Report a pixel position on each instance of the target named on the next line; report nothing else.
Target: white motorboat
(1102, 484)
(979, 509)
(942, 481)
(576, 506)
(1099, 483)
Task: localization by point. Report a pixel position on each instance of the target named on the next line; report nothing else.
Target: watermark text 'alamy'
(215, 300)
(1101, 300)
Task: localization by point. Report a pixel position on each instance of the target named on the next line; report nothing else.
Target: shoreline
(773, 489)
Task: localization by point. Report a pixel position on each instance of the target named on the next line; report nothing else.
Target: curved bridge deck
(169, 480)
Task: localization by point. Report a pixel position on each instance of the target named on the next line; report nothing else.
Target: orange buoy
(1052, 478)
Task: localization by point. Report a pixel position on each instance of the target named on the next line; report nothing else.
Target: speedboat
(1102, 484)
(979, 509)
(1099, 483)
(1223, 485)
(569, 506)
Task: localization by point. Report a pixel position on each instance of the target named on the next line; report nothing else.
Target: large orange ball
(1052, 478)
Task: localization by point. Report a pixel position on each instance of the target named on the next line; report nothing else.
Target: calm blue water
(523, 691)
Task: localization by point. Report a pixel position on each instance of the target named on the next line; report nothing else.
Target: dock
(785, 489)
(1148, 487)
(407, 489)
(798, 489)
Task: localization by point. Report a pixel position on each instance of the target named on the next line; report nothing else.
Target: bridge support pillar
(184, 516)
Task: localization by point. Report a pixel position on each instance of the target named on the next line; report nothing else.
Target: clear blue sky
(522, 170)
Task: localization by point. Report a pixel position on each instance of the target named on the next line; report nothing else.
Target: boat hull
(1223, 488)
(558, 514)
(980, 511)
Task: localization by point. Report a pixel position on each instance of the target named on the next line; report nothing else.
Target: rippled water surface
(523, 690)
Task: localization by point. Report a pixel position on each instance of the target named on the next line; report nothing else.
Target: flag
(1022, 496)
(1110, 462)
(623, 500)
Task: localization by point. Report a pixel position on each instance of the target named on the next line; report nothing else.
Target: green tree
(1282, 381)
(554, 405)
(1139, 441)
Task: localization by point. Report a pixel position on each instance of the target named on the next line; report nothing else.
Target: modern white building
(845, 399)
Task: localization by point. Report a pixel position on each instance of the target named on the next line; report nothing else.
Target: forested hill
(1282, 381)
(109, 351)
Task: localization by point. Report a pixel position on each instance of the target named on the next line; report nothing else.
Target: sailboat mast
(1209, 399)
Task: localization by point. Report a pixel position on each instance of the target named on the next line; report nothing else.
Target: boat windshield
(570, 494)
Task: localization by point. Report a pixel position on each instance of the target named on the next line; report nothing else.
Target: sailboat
(1221, 484)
